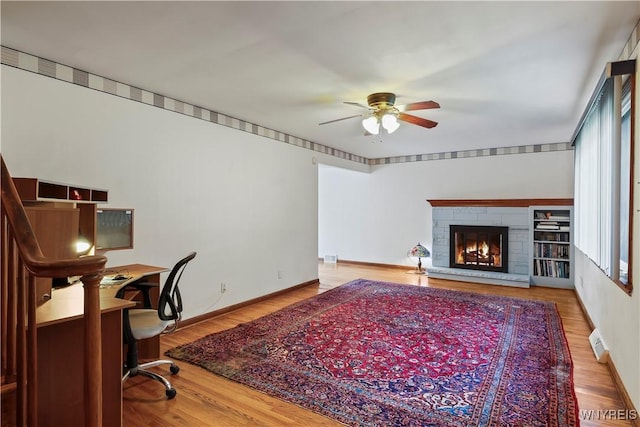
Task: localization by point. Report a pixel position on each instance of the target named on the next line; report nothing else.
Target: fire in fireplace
(479, 247)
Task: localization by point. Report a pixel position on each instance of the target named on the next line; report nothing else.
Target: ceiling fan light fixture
(384, 116)
(371, 125)
(390, 122)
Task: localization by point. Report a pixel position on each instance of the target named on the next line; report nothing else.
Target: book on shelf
(559, 218)
(550, 268)
(548, 235)
(547, 227)
(551, 250)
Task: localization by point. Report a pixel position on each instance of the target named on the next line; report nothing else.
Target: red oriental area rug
(374, 353)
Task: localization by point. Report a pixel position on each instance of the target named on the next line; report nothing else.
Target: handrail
(29, 257)
(28, 247)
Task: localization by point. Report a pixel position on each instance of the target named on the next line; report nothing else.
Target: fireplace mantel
(518, 203)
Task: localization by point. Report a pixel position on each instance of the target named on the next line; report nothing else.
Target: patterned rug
(381, 354)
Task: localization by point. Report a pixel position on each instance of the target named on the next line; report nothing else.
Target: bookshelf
(551, 258)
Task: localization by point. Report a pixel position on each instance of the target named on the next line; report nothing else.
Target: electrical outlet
(223, 288)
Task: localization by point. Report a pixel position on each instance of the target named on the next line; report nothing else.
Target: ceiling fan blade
(423, 105)
(357, 104)
(425, 123)
(337, 120)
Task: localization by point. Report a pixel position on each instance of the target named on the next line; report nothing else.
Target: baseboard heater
(599, 348)
(331, 258)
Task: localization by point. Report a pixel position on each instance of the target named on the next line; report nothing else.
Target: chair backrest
(170, 303)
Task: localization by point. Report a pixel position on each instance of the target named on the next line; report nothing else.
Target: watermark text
(608, 414)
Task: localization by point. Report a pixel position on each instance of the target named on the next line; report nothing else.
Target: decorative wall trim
(501, 151)
(45, 67)
(513, 203)
(632, 43)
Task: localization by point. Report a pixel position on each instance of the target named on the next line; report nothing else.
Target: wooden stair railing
(22, 262)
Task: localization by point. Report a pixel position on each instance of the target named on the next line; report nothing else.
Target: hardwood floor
(205, 399)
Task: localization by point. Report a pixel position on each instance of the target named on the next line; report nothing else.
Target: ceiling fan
(384, 114)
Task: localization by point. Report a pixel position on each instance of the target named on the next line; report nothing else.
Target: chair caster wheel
(174, 369)
(171, 393)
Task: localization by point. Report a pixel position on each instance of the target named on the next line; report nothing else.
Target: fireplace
(478, 247)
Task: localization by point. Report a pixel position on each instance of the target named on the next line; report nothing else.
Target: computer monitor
(114, 229)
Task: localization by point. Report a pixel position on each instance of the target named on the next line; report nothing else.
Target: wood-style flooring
(205, 399)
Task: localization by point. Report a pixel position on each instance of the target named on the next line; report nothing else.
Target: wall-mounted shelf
(34, 190)
(521, 203)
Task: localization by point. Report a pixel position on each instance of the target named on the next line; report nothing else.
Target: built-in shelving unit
(34, 189)
(552, 260)
(60, 216)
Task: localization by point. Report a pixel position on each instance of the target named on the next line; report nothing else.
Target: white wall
(617, 317)
(377, 217)
(246, 204)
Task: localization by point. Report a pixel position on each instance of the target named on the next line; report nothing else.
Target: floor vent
(331, 259)
(598, 346)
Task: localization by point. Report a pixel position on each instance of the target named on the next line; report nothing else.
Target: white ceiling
(504, 73)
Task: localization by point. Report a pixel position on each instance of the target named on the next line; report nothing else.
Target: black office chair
(149, 322)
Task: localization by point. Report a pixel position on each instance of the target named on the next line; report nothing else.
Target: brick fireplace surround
(511, 213)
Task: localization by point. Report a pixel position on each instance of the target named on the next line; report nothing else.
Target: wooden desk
(61, 350)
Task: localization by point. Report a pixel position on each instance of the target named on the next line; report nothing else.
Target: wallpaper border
(31, 63)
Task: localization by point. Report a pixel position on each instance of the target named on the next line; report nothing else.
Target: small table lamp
(420, 252)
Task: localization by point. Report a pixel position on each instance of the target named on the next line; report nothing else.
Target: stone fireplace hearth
(512, 269)
(514, 257)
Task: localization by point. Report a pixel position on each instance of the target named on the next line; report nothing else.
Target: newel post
(92, 351)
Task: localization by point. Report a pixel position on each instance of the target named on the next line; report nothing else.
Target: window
(603, 179)
(626, 179)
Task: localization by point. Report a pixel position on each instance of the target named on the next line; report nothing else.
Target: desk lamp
(420, 252)
(82, 246)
